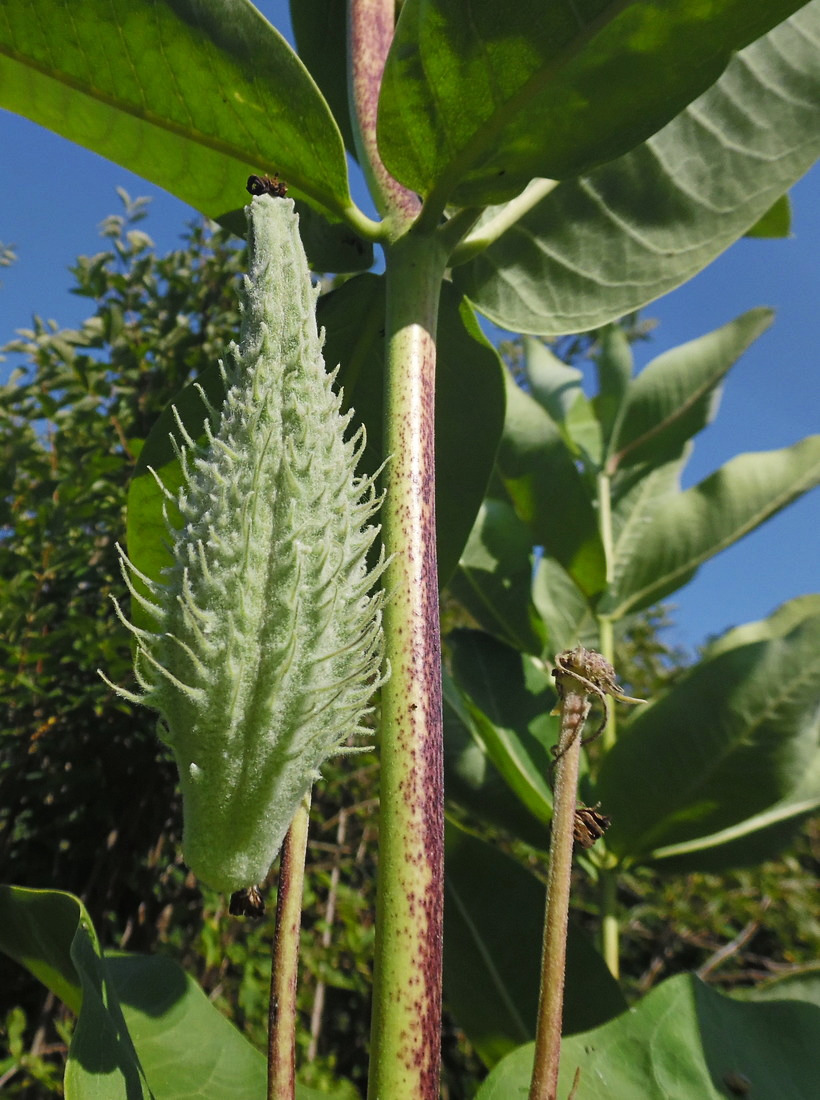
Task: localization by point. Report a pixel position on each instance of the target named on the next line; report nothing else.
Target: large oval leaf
(141, 1021)
(191, 94)
(51, 934)
(684, 1041)
(472, 783)
(599, 247)
(683, 530)
(477, 102)
(732, 749)
(674, 396)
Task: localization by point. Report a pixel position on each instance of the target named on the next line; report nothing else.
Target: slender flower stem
(574, 708)
(406, 1022)
(580, 673)
(285, 959)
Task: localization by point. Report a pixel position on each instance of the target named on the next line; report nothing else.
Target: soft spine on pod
(268, 639)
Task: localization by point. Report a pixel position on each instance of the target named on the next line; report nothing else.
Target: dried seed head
(268, 641)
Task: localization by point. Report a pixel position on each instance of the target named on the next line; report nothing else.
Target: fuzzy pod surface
(268, 640)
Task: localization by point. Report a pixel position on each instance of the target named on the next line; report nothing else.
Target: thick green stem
(574, 710)
(406, 1025)
(285, 959)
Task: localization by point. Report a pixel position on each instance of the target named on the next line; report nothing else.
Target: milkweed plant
(267, 643)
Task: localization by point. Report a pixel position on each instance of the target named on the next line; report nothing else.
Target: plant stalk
(406, 1021)
(285, 959)
(610, 925)
(607, 881)
(371, 24)
(574, 708)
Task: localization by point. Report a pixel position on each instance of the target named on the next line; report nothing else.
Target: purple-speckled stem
(285, 959)
(370, 32)
(406, 1027)
(406, 1023)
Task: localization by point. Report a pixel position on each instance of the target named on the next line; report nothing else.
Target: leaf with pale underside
(598, 247)
(675, 396)
(686, 529)
(733, 749)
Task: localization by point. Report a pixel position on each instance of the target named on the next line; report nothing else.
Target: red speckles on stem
(407, 987)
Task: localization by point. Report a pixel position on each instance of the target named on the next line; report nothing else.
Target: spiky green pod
(268, 639)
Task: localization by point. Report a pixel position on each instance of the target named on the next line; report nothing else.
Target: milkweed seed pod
(268, 641)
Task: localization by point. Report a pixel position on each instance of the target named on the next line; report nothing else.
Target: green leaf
(474, 108)
(508, 697)
(780, 622)
(543, 481)
(320, 30)
(467, 431)
(602, 246)
(565, 611)
(614, 366)
(686, 529)
(494, 577)
(471, 780)
(51, 934)
(186, 1046)
(730, 750)
(493, 918)
(191, 94)
(776, 222)
(559, 391)
(683, 1041)
(675, 396)
(136, 1014)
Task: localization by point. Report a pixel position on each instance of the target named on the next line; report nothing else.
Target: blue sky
(53, 195)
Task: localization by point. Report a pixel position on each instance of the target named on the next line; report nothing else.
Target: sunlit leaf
(471, 780)
(683, 1040)
(51, 934)
(191, 94)
(686, 529)
(733, 748)
(508, 697)
(674, 396)
(599, 247)
(474, 107)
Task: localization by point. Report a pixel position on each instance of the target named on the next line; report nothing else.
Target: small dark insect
(589, 825)
(247, 903)
(267, 185)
